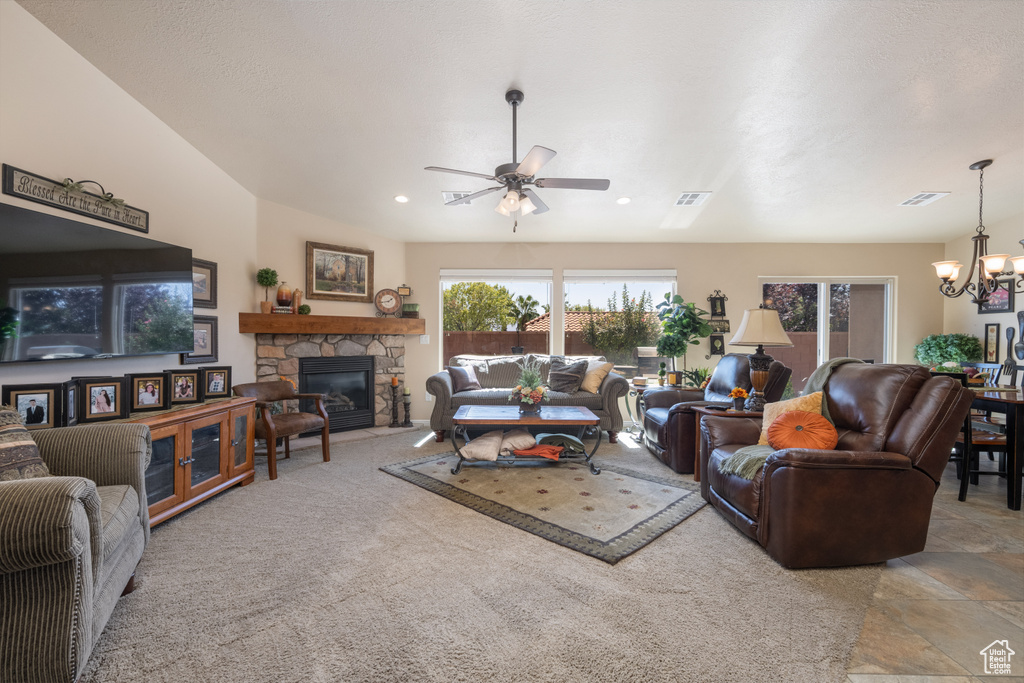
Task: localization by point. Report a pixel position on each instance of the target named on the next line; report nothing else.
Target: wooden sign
(35, 188)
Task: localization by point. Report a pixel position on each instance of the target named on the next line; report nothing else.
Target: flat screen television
(73, 290)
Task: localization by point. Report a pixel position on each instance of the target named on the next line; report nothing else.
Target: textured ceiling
(809, 120)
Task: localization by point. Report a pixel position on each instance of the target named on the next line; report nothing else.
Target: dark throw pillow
(566, 377)
(19, 456)
(463, 378)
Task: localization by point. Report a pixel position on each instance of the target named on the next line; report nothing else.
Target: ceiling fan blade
(574, 183)
(470, 197)
(533, 161)
(541, 206)
(452, 170)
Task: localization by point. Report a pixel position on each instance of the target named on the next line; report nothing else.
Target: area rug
(608, 516)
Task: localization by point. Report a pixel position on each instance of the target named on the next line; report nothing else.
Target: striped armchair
(69, 544)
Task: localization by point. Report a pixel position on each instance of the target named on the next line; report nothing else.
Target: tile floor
(933, 612)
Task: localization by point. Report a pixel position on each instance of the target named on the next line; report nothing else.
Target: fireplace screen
(346, 384)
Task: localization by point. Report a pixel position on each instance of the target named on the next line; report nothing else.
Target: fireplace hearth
(346, 383)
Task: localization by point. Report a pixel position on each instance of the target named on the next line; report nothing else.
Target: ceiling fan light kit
(514, 177)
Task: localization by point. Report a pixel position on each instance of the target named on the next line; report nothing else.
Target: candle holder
(394, 407)
(407, 400)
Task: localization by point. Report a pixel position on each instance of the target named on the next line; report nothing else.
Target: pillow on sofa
(802, 429)
(463, 378)
(597, 370)
(566, 377)
(810, 403)
(19, 455)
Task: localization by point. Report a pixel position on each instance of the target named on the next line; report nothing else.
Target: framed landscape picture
(39, 405)
(204, 284)
(338, 273)
(999, 301)
(204, 333)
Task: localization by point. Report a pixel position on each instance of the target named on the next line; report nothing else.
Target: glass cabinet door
(207, 442)
(164, 487)
(242, 435)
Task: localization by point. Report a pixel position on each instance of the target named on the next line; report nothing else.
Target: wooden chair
(285, 424)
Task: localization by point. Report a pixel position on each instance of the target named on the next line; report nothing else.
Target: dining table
(1011, 403)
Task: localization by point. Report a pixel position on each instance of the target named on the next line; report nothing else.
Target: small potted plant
(661, 374)
(530, 391)
(266, 278)
(738, 395)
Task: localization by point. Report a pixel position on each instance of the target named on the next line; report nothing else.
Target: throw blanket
(748, 461)
(549, 452)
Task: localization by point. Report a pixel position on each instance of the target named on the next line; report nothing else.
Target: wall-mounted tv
(73, 290)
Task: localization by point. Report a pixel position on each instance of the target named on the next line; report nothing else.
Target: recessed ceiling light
(401, 198)
(623, 200)
(923, 198)
(692, 198)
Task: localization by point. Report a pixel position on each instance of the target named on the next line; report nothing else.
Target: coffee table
(467, 417)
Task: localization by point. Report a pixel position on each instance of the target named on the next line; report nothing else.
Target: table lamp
(760, 327)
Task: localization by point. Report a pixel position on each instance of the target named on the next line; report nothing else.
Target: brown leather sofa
(870, 499)
(667, 416)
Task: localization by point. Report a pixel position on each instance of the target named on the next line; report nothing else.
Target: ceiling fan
(514, 177)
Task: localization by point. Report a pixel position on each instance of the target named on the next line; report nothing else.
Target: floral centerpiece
(738, 394)
(530, 391)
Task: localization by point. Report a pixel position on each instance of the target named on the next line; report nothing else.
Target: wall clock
(388, 302)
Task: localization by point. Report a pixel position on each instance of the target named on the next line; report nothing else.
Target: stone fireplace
(278, 357)
(346, 383)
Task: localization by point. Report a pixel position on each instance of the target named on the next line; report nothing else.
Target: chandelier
(989, 266)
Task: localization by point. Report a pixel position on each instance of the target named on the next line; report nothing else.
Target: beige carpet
(339, 572)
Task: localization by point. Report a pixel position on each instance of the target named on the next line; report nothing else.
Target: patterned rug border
(611, 551)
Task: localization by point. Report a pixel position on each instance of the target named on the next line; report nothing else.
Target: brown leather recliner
(667, 416)
(870, 499)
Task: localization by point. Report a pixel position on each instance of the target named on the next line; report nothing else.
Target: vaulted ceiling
(808, 120)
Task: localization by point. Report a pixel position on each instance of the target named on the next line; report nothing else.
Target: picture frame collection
(82, 400)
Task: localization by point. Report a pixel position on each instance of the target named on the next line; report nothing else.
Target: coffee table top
(500, 415)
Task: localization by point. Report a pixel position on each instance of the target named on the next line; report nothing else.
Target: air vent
(692, 198)
(452, 196)
(923, 198)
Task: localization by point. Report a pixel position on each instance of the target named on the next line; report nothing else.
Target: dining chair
(978, 440)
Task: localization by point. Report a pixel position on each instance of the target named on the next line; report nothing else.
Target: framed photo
(999, 301)
(721, 326)
(101, 398)
(204, 284)
(186, 386)
(39, 405)
(148, 391)
(717, 344)
(992, 343)
(404, 291)
(204, 331)
(338, 273)
(70, 392)
(717, 305)
(217, 382)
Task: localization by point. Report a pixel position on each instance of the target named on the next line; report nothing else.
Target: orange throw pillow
(802, 429)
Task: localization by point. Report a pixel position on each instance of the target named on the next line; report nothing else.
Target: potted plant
(266, 278)
(661, 374)
(939, 349)
(682, 325)
(738, 395)
(530, 391)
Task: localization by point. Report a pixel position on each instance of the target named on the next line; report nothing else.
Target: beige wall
(960, 315)
(282, 234)
(732, 268)
(60, 117)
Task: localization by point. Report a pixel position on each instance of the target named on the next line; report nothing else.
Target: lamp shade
(760, 326)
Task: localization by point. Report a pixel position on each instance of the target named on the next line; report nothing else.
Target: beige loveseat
(498, 375)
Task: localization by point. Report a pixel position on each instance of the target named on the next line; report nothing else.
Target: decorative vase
(737, 404)
(266, 307)
(296, 300)
(284, 295)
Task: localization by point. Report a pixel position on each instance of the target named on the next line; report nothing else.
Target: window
(828, 318)
(495, 312)
(612, 312)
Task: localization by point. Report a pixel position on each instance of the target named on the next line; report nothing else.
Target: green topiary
(936, 349)
(304, 309)
(682, 325)
(266, 278)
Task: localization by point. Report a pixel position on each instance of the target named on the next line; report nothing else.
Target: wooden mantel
(280, 323)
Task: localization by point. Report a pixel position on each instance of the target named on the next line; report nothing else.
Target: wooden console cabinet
(198, 451)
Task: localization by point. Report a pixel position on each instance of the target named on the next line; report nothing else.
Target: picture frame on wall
(717, 342)
(149, 391)
(217, 382)
(992, 343)
(999, 301)
(720, 326)
(102, 398)
(69, 391)
(717, 305)
(185, 386)
(337, 273)
(40, 406)
(204, 284)
(204, 331)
